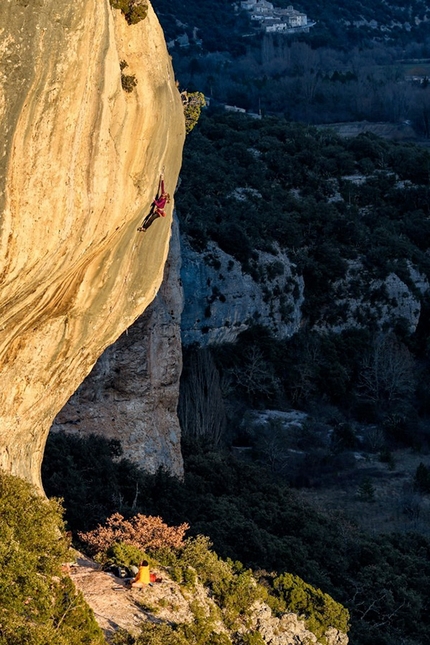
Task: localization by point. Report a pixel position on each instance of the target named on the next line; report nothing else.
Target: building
(273, 19)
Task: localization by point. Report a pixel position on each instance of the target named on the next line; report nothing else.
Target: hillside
(253, 516)
(139, 612)
(346, 211)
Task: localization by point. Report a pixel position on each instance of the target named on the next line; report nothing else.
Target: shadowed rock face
(79, 166)
(132, 392)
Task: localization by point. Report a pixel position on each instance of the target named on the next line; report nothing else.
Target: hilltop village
(274, 19)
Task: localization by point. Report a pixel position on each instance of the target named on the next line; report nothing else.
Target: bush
(38, 605)
(201, 631)
(193, 103)
(133, 10)
(141, 531)
(319, 609)
(128, 82)
(233, 588)
(123, 555)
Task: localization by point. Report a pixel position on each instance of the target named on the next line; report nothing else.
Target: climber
(157, 206)
(142, 577)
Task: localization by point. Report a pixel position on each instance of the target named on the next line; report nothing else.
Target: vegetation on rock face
(320, 610)
(38, 604)
(193, 103)
(133, 10)
(128, 81)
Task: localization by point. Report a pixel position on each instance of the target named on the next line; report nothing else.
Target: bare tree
(303, 385)
(387, 371)
(201, 406)
(255, 375)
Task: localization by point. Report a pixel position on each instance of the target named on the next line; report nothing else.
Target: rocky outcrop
(115, 606)
(289, 629)
(221, 300)
(80, 162)
(132, 392)
(360, 300)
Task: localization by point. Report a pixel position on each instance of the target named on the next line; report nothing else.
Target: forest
(254, 518)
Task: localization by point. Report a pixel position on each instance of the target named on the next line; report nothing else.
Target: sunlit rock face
(79, 166)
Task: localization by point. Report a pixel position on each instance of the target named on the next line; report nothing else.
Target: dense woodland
(365, 374)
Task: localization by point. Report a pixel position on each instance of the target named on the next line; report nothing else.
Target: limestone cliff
(80, 163)
(132, 392)
(221, 300)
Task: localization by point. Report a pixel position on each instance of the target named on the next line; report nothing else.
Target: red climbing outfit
(160, 202)
(157, 206)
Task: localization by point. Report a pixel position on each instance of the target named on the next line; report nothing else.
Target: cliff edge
(79, 167)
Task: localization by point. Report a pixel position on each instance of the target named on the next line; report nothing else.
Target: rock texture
(360, 299)
(221, 300)
(132, 392)
(80, 163)
(289, 629)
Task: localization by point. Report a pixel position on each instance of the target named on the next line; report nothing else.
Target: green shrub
(123, 555)
(201, 631)
(318, 608)
(133, 10)
(193, 103)
(233, 588)
(38, 605)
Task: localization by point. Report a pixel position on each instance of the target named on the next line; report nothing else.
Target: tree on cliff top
(133, 10)
(193, 103)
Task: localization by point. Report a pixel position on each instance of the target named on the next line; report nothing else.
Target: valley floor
(380, 498)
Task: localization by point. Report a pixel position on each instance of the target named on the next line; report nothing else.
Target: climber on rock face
(157, 206)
